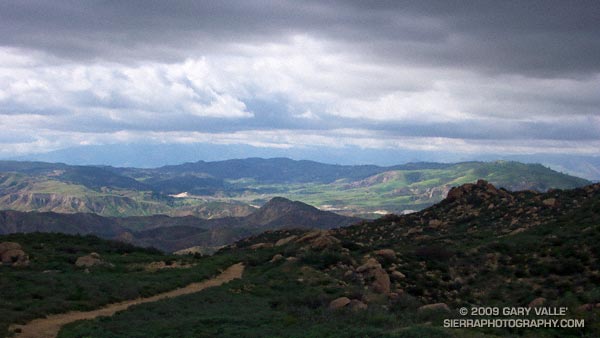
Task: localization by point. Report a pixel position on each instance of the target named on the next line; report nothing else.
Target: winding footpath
(50, 326)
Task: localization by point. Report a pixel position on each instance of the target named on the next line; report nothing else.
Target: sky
(467, 77)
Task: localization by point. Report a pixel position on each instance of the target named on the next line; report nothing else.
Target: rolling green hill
(237, 187)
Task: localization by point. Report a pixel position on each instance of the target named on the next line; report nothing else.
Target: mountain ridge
(176, 233)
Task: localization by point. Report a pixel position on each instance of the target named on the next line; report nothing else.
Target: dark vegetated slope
(31, 168)
(276, 170)
(176, 238)
(176, 233)
(24, 222)
(280, 212)
(96, 178)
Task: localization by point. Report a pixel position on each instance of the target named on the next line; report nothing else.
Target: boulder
(551, 202)
(435, 223)
(537, 302)
(15, 257)
(5, 246)
(286, 240)
(90, 260)
(371, 263)
(339, 303)
(357, 305)
(585, 307)
(386, 253)
(434, 307)
(381, 283)
(311, 235)
(323, 242)
(261, 246)
(277, 258)
(397, 275)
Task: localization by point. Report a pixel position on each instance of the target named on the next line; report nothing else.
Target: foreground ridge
(50, 326)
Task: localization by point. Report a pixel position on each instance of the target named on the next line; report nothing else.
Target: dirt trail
(50, 326)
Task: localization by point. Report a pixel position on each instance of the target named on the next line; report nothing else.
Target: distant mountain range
(237, 187)
(156, 155)
(176, 233)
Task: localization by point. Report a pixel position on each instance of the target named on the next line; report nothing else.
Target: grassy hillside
(481, 247)
(397, 191)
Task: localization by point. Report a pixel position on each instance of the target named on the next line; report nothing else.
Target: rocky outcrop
(261, 246)
(386, 253)
(339, 303)
(380, 280)
(357, 305)
(318, 239)
(277, 258)
(285, 240)
(89, 261)
(482, 190)
(12, 254)
(343, 302)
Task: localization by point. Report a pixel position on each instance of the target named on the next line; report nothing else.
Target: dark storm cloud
(540, 38)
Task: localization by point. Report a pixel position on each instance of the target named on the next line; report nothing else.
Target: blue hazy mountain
(157, 155)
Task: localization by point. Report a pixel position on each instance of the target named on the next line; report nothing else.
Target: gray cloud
(539, 38)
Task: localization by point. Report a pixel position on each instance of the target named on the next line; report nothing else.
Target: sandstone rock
(386, 253)
(357, 305)
(537, 302)
(397, 275)
(585, 307)
(516, 231)
(339, 303)
(5, 246)
(311, 235)
(382, 283)
(286, 240)
(434, 307)
(371, 263)
(261, 246)
(435, 223)
(90, 260)
(551, 202)
(15, 257)
(277, 258)
(323, 242)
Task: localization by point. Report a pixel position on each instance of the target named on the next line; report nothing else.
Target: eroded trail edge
(50, 326)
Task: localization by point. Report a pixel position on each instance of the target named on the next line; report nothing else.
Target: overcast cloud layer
(488, 77)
